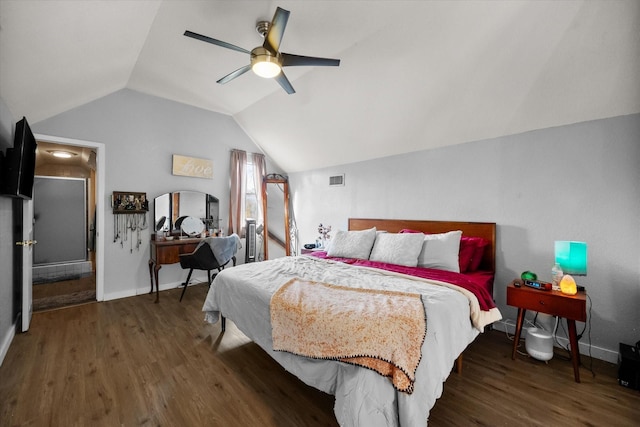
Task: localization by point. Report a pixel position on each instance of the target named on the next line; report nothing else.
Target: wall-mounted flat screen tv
(18, 164)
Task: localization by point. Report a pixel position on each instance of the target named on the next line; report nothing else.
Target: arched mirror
(275, 204)
(170, 210)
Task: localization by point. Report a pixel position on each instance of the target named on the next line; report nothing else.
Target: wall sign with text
(191, 166)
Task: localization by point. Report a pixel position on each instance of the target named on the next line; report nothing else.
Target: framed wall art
(128, 202)
(191, 166)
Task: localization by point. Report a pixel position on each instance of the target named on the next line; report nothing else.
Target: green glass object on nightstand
(528, 275)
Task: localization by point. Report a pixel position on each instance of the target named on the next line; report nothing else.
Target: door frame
(26, 251)
(22, 262)
(100, 200)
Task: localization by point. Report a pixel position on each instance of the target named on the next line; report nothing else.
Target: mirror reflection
(275, 213)
(170, 209)
(275, 199)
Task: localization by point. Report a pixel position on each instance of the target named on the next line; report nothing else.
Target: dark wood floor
(64, 287)
(64, 293)
(132, 362)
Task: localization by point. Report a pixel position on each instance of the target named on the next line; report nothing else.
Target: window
(247, 171)
(251, 206)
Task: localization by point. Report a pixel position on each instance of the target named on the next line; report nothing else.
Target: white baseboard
(141, 291)
(6, 342)
(121, 294)
(585, 348)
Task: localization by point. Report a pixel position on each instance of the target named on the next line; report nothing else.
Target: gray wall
(577, 182)
(7, 125)
(141, 133)
(6, 275)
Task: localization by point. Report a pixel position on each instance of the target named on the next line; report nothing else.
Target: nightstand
(308, 251)
(555, 303)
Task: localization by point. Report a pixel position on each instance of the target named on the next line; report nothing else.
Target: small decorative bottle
(556, 276)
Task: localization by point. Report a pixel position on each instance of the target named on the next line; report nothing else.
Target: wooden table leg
(155, 274)
(151, 263)
(575, 352)
(516, 338)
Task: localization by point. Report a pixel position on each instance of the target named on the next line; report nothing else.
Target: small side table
(305, 251)
(571, 307)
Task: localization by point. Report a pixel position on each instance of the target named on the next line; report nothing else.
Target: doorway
(56, 282)
(63, 269)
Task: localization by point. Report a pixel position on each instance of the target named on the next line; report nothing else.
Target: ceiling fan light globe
(266, 68)
(264, 63)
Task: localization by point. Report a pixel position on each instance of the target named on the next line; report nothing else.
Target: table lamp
(572, 258)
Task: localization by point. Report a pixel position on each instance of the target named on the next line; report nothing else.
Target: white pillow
(441, 251)
(400, 249)
(352, 244)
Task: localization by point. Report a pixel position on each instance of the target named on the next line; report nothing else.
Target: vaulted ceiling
(414, 75)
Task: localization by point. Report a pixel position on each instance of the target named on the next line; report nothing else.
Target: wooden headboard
(486, 230)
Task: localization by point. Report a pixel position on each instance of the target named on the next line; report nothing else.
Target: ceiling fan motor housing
(262, 27)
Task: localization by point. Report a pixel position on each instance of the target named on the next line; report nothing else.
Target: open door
(23, 211)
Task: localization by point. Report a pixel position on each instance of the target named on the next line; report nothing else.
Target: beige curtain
(238, 191)
(259, 171)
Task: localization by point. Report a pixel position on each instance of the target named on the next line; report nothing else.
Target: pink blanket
(380, 330)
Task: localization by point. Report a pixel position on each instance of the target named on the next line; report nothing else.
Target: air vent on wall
(336, 180)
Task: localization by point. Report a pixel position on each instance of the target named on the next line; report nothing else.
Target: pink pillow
(478, 253)
(468, 247)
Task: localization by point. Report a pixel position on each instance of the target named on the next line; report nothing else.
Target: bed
(455, 308)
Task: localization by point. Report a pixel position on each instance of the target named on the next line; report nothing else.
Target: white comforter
(363, 397)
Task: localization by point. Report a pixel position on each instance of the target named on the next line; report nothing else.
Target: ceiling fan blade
(284, 82)
(237, 73)
(276, 31)
(289, 60)
(215, 41)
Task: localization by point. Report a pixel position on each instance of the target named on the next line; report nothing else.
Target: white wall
(141, 133)
(577, 182)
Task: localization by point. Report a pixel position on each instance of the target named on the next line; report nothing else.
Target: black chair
(201, 258)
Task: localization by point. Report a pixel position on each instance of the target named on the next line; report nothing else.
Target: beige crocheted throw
(380, 330)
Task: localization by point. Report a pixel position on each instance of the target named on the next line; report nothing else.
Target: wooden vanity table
(170, 210)
(167, 252)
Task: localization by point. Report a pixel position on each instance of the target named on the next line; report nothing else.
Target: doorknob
(27, 243)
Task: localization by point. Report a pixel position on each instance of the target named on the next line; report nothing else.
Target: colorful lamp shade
(572, 257)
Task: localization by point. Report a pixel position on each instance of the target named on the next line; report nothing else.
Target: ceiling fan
(267, 60)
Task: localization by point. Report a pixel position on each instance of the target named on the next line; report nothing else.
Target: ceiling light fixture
(264, 63)
(61, 154)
